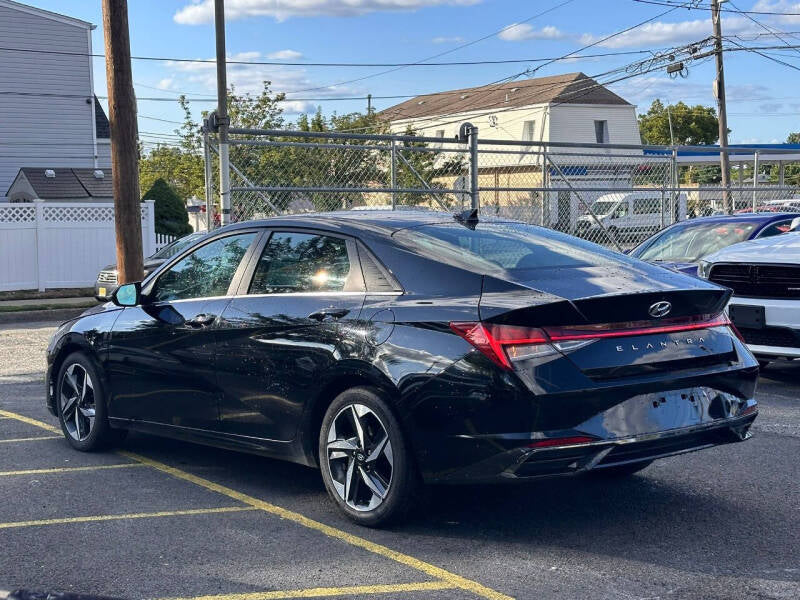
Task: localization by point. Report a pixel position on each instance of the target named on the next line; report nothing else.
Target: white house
(50, 115)
(561, 108)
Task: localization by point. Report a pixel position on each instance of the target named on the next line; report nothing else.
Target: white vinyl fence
(162, 239)
(61, 244)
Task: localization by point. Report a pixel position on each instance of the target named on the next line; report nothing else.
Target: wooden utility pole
(223, 122)
(719, 92)
(124, 153)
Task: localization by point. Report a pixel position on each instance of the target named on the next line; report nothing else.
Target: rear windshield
(507, 246)
(693, 242)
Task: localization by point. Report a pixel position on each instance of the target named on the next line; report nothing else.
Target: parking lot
(166, 519)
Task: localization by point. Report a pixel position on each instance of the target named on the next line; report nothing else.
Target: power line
(774, 31)
(697, 6)
(459, 47)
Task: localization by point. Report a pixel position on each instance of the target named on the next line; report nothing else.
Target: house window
(601, 132)
(529, 131)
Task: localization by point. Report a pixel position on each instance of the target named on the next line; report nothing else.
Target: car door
(161, 359)
(280, 334)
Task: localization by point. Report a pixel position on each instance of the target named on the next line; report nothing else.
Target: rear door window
(299, 262)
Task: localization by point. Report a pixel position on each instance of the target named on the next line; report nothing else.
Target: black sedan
(391, 349)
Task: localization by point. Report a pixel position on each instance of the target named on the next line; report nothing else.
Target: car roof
(383, 222)
(759, 218)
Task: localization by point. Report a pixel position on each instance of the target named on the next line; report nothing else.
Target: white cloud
(517, 32)
(249, 78)
(778, 6)
(443, 39)
(202, 11)
(770, 107)
(661, 33)
(166, 84)
(285, 55)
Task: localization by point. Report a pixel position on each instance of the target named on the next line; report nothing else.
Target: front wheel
(80, 399)
(366, 463)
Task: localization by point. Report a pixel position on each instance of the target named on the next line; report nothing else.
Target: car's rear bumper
(642, 428)
(523, 464)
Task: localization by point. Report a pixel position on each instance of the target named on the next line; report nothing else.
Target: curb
(30, 316)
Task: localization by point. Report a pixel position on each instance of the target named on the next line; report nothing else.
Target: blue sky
(764, 105)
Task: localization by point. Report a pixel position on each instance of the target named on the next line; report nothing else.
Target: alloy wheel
(360, 459)
(77, 402)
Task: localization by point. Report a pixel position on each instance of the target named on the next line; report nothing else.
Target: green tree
(181, 165)
(691, 125)
(170, 210)
(793, 138)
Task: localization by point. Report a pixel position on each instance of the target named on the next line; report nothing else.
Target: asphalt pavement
(165, 519)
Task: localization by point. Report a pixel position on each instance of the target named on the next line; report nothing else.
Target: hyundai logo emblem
(660, 309)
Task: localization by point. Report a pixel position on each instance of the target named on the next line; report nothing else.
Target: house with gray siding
(51, 118)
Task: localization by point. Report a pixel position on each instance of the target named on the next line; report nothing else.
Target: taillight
(506, 343)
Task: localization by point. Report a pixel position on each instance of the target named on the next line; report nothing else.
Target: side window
(622, 210)
(646, 206)
(776, 228)
(305, 262)
(206, 272)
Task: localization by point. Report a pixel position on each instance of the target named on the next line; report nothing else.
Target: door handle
(329, 314)
(201, 320)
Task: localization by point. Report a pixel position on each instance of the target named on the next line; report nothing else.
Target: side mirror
(128, 294)
(795, 226)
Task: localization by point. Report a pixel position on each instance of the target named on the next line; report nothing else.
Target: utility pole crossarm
(719, 92)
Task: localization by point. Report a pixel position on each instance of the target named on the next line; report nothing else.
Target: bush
(170, 211)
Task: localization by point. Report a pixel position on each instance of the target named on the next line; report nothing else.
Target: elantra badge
(660, 309)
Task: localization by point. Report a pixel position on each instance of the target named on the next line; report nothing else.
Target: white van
(631, 216)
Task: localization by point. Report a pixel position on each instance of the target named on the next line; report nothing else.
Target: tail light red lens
(505, 343)
(494, 340)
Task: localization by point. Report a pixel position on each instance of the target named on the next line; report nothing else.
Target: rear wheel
(622, 470)
(366, 464)
(80, 399)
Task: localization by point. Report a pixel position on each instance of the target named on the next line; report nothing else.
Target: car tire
(81, 405)
(366, 462)
(622, 470)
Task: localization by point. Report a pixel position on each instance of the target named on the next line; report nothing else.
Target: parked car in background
(681, 246)
(790, 205)
(392, 347)
(107, 278)
(629, 217)
(764, 275)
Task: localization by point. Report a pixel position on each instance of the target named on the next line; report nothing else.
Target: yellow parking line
(98, 518)
(69, 469)
(30, 439)
(348, 591)
(29, 421)
(455, 581)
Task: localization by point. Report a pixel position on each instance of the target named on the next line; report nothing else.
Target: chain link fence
(610, 194)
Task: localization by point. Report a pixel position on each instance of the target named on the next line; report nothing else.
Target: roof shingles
(571, 88)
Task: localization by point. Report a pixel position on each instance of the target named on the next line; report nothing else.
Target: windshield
(507, 246)
(177, 246)
(693, 242)
(603, 207)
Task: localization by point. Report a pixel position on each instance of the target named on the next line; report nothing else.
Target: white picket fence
(163, 239)
(61, 244)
